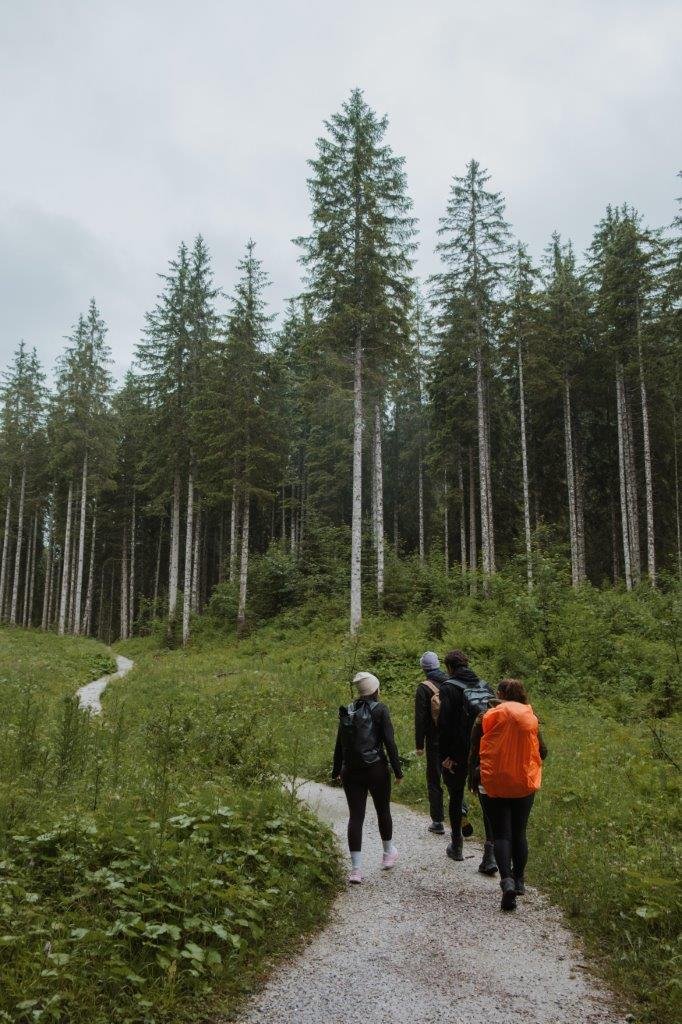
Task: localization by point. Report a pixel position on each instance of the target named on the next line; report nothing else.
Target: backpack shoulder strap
(431, 686)
(459, 683)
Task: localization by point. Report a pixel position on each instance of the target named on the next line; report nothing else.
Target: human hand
(448, 763)
(419, 752)
(398, 781)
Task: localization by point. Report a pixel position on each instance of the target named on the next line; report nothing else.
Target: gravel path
(427, 942)
(89, 695)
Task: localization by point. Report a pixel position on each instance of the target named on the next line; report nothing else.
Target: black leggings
(508, 819)
(376, 779)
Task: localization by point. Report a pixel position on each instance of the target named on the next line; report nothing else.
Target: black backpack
(476, 698)
(359, 739)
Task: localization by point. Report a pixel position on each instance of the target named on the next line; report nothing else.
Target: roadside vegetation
(151, 864)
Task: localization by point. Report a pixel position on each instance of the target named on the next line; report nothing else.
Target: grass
(180, 824)
(150, 865)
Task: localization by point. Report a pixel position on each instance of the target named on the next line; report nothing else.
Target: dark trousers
(455, 780)
(376, 780)
(489, 837)
(508, 819)
(433, 777)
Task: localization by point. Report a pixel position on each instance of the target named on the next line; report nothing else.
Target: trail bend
(427, 942)
(89, 695)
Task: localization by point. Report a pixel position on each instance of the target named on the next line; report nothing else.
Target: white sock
(356, 859)
(388, 846)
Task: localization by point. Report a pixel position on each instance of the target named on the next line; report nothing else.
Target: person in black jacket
(366, 770)
(453, 744)
(426, 736)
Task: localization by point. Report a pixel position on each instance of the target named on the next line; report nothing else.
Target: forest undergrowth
(151, 865)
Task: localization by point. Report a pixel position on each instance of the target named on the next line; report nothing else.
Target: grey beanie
(366, 683)
(429, 661)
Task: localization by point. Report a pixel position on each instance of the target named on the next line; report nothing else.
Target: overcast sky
(130, 125)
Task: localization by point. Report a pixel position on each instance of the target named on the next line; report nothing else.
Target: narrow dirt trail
(89, 695)
(427, 942)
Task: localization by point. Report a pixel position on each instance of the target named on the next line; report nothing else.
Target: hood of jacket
(464, 675)
(436, 675)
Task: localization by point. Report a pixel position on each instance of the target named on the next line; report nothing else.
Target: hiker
(511, 752)
(364, 746)
(462, 697)
(488, 865)
(426, 705)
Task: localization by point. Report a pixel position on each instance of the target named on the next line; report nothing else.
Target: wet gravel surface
(89, 695)
(427, 942)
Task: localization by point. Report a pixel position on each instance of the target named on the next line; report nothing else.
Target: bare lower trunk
(157, 574)
(462, 518)
(189, 536)
(221, 544)
(174, 556)
(29, 585)
(621, 476)
(379, 504)
(473, 553)
(72, 583)
(131, 581)
(100, 618)
(66, 555)
(81, 550)
(631, 489)
(49, 562)
(580, 518)
(420, 507)
(524, 473)
(124, 585)
(52, 613)
(111, 605)
(233, 532)
(356, 524)
(5, 549)
(196, 562)
(648, 477)
(483, 465)
(292, 524)
(244, 567)
(87, 614)
(17, 552)
(614, 543)
(570, 485)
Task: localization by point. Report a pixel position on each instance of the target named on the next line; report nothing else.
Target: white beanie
(366, 683)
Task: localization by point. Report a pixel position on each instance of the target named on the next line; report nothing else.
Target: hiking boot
(355, 877)
(388, 860)
(508, 887)
(454, 849)
(520, 886)
(437, 828)
(488, 865)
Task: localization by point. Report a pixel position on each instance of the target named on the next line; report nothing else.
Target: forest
(501, 409)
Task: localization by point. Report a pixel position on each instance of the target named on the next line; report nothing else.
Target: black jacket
(385, 737)
(424, 729)
(451, 741)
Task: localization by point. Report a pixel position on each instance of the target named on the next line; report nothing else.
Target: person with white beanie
(365, 745)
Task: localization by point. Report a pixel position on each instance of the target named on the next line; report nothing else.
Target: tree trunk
(29, 585)
(233, 532)
(379, 504)
(174, 557)
(17, 552)
(446, 525)
(87, 614)
(580, 516)
(189, 537)
(648, 477)
(420, 507)
(244, 568)
(131, 581)
(356, 525)
(72, 581)
(66, 555)
(49, 561)
(5, 549)
(221, 543)
(524, 472)
(81, 550)
(473, 553)
(157, 574)
(124, 585)
(196, 562)
(100, 617)
(631, 490)
(614, 543)
(622, 477)
(483, 466)
(462, 519)
(570, 485)
(52, 612)
(678, 525)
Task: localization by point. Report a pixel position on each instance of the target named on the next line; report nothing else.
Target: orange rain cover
(510, 751)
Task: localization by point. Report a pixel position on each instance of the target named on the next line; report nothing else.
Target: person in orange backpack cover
(511, 753)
